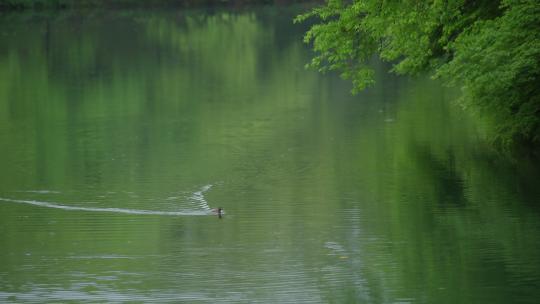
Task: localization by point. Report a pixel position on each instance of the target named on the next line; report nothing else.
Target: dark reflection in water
(120, 130)
(442, 176)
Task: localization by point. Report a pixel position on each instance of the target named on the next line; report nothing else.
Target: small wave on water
(41, 191)
(197, 197)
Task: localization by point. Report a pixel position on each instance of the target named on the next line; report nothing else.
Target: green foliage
(490, 48)
(498, 61)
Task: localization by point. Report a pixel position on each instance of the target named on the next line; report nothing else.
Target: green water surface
(120, 130)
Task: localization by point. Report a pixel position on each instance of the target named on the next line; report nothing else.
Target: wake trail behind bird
(197, 197)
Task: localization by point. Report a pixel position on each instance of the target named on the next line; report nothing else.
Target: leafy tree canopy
(490, 48)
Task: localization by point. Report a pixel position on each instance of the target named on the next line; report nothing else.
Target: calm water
(120, 130)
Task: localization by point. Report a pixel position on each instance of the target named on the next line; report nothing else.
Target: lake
(120, 130)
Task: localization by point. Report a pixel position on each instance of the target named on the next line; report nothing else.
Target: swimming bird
(218, 211)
